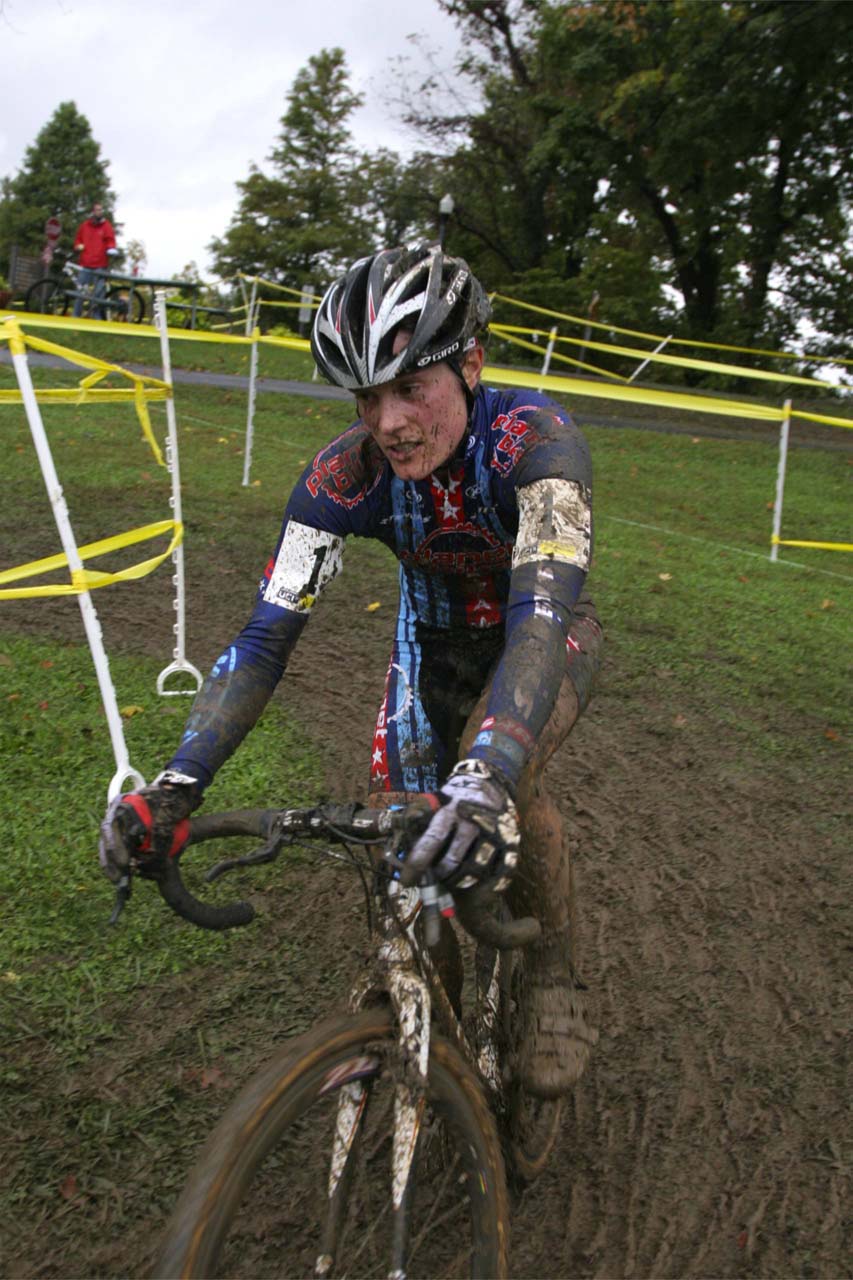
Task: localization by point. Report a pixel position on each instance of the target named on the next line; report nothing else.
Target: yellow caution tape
(822, 417)
(282, 288)
(681, 362)
(295, 344)
(143, 384)
(820, 546)
(503, 331)
(270, 302)
(35, 320)
(686, 401)
(641, 395)
(77, 395)
(659, 337)
(89, 579)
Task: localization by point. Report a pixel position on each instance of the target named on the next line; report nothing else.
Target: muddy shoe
(558, 1038)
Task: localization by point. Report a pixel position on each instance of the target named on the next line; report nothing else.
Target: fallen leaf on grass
(679, 721)
(665, 577)
(208, 1077)
(827, 604)
(371, 608)
(68, 1187)
(742, 1239)
(47, 663)
(129, 712)
(256, 484)
(43, 706)
(832, 734)
(213, 1078)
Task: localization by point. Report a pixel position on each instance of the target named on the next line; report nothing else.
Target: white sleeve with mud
(307, 560)
(554, 523)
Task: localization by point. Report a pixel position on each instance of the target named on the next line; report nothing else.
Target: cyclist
(484, 497)
(95, 242)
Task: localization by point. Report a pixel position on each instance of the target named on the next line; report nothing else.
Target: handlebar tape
(204, 914)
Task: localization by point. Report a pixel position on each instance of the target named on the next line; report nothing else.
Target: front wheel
(296, 1179)
(47, 297)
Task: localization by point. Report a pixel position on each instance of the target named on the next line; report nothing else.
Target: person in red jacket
(95, 241)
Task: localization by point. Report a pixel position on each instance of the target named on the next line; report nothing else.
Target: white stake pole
(173, 464)
(250, 309)
(549, 351)
(124, 770)
(250, 418)
(641, 366)
(784, 432)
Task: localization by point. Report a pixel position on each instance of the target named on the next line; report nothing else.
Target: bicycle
(51, 296)
(374, 1143)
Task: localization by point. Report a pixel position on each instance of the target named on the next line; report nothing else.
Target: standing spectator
(95, 242)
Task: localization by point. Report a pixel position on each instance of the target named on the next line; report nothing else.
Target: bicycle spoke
(432, 1222)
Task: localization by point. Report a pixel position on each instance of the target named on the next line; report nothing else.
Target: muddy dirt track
(706, 1139)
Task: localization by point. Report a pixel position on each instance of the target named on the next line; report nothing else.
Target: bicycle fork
(412, 1004)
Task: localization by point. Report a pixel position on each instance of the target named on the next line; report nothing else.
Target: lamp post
(446, 205)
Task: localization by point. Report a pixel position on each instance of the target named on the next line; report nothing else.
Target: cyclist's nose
(389, 415)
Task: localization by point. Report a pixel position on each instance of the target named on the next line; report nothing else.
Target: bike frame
(402, 971)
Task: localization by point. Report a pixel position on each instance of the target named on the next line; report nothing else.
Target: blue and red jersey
(454, 535)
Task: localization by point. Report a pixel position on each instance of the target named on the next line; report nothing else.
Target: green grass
(682, 560)
(695, 615)
(56, 952)
(681, 577)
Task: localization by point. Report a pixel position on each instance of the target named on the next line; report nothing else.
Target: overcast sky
(182, 97)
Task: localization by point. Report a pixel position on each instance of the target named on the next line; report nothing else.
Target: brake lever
(437, 903)
(267, 853)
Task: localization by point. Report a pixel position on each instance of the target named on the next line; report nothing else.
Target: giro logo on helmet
(439, 355)
(456, 284)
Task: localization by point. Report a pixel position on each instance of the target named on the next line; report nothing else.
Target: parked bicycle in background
(95, 299)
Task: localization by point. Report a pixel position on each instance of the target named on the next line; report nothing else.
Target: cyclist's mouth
(402, 449)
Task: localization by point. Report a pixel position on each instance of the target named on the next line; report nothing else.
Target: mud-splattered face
(418, 419)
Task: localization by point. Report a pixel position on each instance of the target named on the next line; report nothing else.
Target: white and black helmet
(420, 291)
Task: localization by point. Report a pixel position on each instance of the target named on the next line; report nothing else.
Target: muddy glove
(473, 839)
(150, 823)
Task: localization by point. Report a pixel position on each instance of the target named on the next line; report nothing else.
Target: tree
(137, 257)
(303, 221)
(63, 174)
(711, 141)
(727, 128)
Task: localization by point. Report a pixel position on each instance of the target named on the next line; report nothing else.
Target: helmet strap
(455, 364)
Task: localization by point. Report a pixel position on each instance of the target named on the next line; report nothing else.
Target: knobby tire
(256, 1203)
(47, 297)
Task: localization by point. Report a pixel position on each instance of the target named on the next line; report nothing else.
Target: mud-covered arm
(243, 678)
(550, 564)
